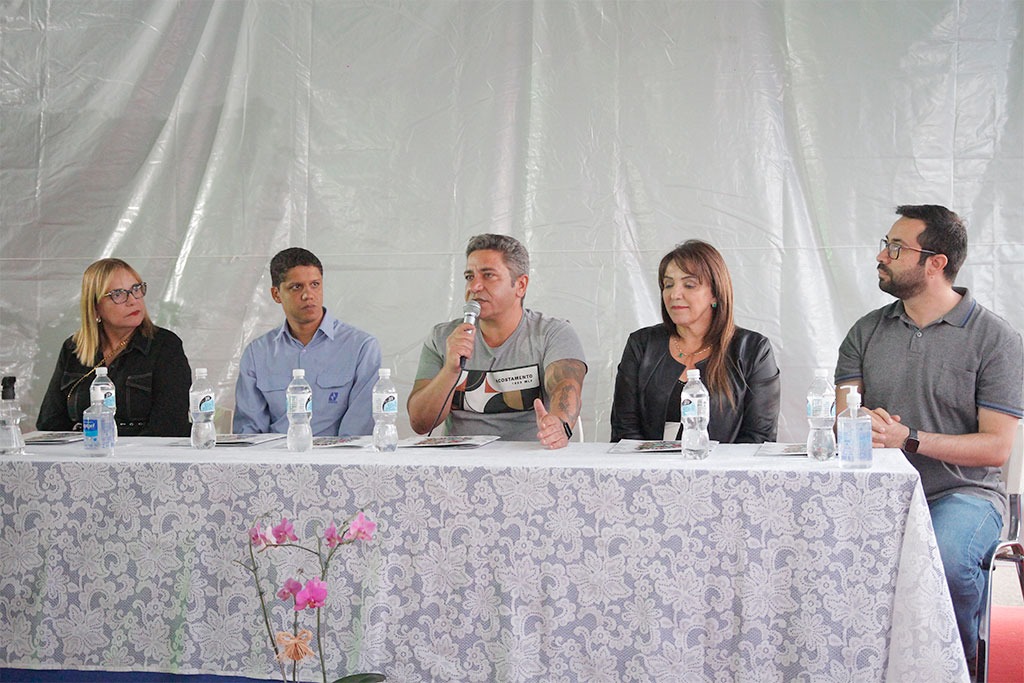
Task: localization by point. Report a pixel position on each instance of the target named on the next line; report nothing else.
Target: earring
(714, 304)
(98, 321)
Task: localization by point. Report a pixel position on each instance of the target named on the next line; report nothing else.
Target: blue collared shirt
(341, 364)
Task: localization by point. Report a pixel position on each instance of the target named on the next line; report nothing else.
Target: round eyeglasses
(119, 296)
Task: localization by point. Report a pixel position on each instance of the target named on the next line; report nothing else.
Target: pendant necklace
(677, 343)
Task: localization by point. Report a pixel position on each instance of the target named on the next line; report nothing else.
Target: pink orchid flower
(332, 536)
(361, 529)
(291, 587)
(259, 537)
(313, 594)
(284, 531)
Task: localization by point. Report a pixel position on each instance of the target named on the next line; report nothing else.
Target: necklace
(112, 354)
(107, 357)
(677, 343)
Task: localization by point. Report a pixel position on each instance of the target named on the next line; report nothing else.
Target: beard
(905, 286)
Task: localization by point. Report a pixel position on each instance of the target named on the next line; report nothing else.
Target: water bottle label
(91, 429)
(818, 406)
(300, 403)
(389, 404)
(108, 400)
(693, 407)
(203, 403)
(688, 407)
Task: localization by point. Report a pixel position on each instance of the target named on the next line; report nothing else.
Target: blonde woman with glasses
(146, 363)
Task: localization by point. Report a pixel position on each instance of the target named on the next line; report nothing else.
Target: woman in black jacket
(698, 331)
(146, 363)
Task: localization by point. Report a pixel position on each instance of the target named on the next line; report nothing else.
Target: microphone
(469, 315)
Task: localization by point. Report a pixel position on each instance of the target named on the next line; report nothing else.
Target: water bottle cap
(298, 372)
(101, 371)
(693, 374)
(384, 372)
(200, 373)
(8, 388)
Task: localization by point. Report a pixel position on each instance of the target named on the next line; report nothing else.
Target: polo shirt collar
(961, 313)
(958, 316)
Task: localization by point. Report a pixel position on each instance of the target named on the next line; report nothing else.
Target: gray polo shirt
(937, 378)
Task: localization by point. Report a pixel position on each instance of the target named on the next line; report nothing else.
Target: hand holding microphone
(470, 312)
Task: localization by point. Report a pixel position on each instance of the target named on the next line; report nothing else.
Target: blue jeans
(967, 529)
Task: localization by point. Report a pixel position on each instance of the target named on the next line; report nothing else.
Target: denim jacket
(151, 378)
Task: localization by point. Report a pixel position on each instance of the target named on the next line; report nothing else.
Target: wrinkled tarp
(196, 139)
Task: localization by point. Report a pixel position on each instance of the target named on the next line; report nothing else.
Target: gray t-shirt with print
(496, 391)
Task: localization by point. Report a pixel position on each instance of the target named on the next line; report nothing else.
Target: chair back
(222, 418)
(1013, 476)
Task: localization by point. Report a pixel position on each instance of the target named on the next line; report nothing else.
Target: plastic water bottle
(821, 417)
(102, 389)
(695, 413)
(385, 413)
(99, 426)
(300, 412)
(854, 433)
(202, 405)
(11, 440)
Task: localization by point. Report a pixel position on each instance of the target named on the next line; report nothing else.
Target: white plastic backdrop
(195, 139)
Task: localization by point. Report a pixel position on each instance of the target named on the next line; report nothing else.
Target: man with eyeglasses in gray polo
(942, 377)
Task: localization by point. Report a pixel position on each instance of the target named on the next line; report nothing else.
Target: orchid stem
(266, 616)
(320, 647)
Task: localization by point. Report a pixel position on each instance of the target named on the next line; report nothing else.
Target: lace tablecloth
(504, 563)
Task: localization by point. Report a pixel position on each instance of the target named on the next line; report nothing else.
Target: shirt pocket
(138, 396)
(273, 384)
(333, 386)
(955, 387)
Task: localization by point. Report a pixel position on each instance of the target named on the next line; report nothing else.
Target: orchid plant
(295, 646)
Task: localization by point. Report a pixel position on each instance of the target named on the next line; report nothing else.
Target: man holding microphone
(519, 376)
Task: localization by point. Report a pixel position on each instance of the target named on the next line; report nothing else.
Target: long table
(502, 563)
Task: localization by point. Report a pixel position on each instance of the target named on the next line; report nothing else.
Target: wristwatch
(911, 444)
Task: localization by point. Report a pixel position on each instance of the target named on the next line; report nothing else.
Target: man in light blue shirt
(341, 362)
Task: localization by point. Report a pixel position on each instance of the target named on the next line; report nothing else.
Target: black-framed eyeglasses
(119, 296)
(893, 249)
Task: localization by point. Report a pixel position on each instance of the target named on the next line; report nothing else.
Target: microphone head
(470, 312)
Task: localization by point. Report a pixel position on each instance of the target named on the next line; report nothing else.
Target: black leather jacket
(151, 377)
(647, 375)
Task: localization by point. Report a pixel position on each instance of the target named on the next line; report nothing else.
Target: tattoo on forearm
(563, 381)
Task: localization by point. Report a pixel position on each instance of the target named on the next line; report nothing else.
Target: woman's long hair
(706, 263)
(96, 283)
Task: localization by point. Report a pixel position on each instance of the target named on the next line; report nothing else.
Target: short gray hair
(517, 259)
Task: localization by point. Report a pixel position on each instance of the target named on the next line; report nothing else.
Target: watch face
(911, 444)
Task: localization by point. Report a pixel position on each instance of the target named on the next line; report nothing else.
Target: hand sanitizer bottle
(854, 433)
